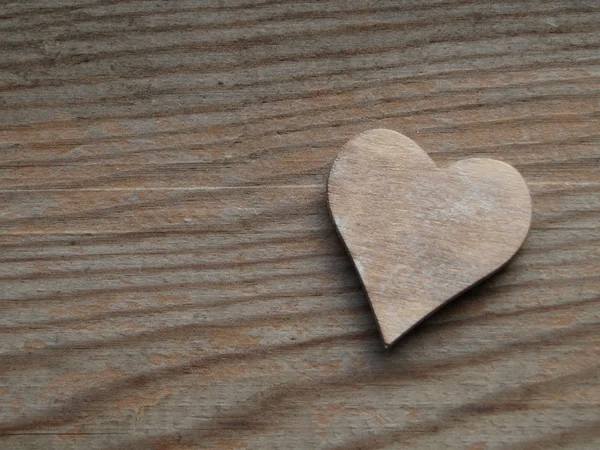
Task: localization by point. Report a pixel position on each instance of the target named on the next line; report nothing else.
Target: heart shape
(420, 235)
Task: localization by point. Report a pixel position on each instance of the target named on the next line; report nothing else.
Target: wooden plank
(169, 273)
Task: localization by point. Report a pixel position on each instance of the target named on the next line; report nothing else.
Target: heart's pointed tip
(391, 334)
(389, 343)
(389, 339)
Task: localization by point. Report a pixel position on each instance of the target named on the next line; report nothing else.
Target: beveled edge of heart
(412, 145)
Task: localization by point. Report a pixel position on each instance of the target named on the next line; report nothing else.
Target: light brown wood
(170, 277)
(418, 235)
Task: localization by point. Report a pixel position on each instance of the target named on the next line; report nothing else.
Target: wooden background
(170, 277)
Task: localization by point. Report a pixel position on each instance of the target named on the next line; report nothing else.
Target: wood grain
(419, 235)
(170, 277)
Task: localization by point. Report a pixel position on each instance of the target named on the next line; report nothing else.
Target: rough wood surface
(420, 235)
(170, 276)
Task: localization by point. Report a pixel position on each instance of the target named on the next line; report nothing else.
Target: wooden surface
(420, 235)
(170, 276)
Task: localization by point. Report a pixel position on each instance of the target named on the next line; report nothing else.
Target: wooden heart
(420, 235)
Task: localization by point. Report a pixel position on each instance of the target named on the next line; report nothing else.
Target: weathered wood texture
(420, 235)
(170, 276)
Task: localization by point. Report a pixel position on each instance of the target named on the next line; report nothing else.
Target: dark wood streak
(147, 312)
(137, 382)
(17, 362)
(354, 88)
(278, 149)
(95, 240)
(166, 268)
(362, 85)
(277, 38)
(308, 17)
(494, 404)
(63, 9)
(196, 70)
(186, 69)
(285, 15)
(169, 273)
(279, 395)
(265, 402)
(77, 295)
(282, 17)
